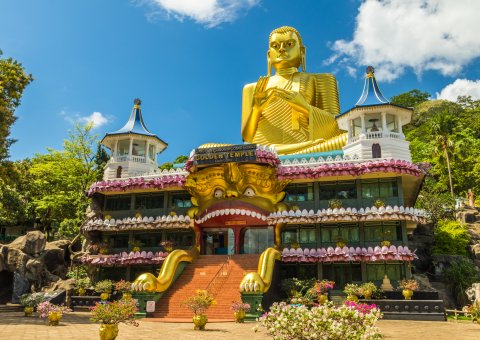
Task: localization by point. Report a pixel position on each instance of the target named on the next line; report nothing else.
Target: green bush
(451, 238)
(460, 275)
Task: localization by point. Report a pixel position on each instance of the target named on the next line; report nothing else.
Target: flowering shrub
(322, 287)
(123, 286)
(31, 300)
(408, 284)
(115, 312)
(367, 288)
(307, 300)
(363, 308)
(352, 289)
(240, 306)
(44, 308)
(325, 322)
(199, 302)
(104, 286)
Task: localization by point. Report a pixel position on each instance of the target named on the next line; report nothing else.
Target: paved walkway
(14, 326)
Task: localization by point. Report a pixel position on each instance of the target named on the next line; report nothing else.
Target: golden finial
(137, 102)
(370, 72)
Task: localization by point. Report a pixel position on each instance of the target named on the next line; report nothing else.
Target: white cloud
(96, 118)
(393, 35)
(210, 13)
(460, 87)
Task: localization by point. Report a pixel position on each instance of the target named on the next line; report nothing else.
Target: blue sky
(188, 60)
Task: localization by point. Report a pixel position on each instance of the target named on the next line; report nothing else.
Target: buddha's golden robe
(291, 131)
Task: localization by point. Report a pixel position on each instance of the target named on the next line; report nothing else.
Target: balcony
(376, 135)
(128, 158)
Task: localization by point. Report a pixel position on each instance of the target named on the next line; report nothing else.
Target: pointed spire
(135, 123)
(371, 94)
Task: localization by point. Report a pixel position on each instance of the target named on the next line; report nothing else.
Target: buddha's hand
(146, 282)
(294, 99)
(261, 99)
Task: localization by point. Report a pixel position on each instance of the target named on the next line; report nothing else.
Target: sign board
(225, 154)
(150, 307)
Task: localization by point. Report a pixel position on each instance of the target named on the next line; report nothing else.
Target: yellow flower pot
(353, 298)
(200, 321)
(28, 311)
(239, 316)
(108, 331)
(104, 296)
(126, 296)
(367, 294)
(136, 249)
(322, 299)
(407, 294)
(54, 318)
(82, 291)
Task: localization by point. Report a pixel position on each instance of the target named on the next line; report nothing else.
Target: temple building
(338, 206)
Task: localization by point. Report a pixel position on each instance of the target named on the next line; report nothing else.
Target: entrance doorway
(218, 241)
(342, 273)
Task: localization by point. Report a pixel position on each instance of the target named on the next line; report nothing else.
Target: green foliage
(13, 81)
(104, 286)
(439, 205)
(451, 238)
(460, 275)
(79, 273)
(169, 165)
(291, 285)
(31, 300)
(411, 98)
(115, 312)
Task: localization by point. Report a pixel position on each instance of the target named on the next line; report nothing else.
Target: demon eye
(219, 193)
(249, 192)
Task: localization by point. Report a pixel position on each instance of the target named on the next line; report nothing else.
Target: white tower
(133, 149)
(374, 125)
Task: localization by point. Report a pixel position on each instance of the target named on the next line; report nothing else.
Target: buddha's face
(285, 50)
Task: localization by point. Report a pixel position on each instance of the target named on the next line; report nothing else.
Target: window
(356, 126)
(346, 232)
(338, 190)
(149, 201)
(381, 188)
(119, 172)
(382, 231)
(118, 203)
(256, 240)
(117, 240)
(138, 148)
(123, 147)
(299, 193)
(391, 123)
(181, 200)
(376, 151)
(181, 238)
(151, 152)
(377, 271)
(303, 235)
(148, 239)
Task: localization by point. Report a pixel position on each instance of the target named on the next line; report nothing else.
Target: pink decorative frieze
(349, 254)
(308, 171)
(348, 215)
(124, 259)
(140, 223)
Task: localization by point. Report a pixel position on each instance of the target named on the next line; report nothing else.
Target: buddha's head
(285, 49)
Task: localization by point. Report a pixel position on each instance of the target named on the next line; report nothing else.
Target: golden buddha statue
(291, 110)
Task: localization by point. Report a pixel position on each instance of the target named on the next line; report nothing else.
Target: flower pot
(322, 299)
(136, 249)
(108, 331)
(407, 294)
(367, 294)
(28, 311)
(82, 291)
(200, 321)
(54, 318)
(104, 296)
(168, 249)
(239, 316)
(353, 298)
(126, 296)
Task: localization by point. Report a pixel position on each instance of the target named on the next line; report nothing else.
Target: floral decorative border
(125, 259)
(141, 223)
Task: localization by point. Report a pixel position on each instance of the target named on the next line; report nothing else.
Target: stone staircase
(204, 273)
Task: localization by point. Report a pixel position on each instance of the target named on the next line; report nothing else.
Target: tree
(13, 81)
(411, 98)
(169, 165)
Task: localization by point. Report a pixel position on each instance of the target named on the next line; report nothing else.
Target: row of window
(375, 188)
(147, 201)
(347, 232)
(181, 238)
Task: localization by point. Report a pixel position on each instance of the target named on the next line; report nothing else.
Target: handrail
(222, 273)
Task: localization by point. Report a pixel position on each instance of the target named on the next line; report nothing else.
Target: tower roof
(135, 125)
(371, 94)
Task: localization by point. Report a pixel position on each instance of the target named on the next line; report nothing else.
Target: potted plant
(104, 287)
(167, 245)
(408, 287)
(367, 289)
(322, 288)
(136, 245)
(340, 242)
(239, 310)
(198, 304)
(473, 311)
(30, 301)
(82, 284)
(111, 314)
(335, 204)
(353, 291)
(53, 312)
(378, 203)
(124, 287)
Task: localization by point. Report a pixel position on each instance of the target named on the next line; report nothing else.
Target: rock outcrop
(35, 262)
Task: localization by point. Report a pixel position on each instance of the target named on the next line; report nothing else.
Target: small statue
(386, 285)
(471, 202)
(291, 110)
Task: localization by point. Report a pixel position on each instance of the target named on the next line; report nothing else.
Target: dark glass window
(180, 200)
(118, 240)
(181, 238)
(303, 235)
(148, 239)
(338, 190)
(376, 272)
(118, 202)
(346, 232)
(382, 231)
(149, 201)
(381, 188)
(299, 193)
